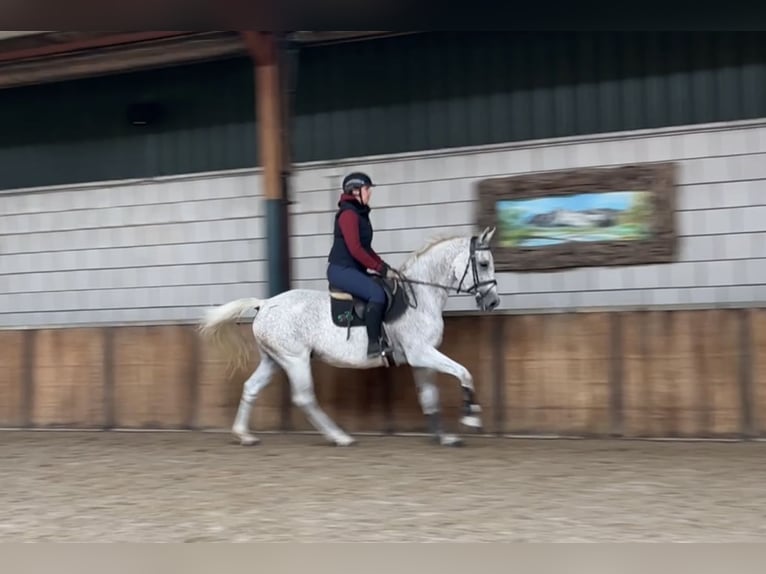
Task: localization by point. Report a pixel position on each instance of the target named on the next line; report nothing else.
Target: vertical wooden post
(28, 382)
(272, 138)
(109, 375)
(193, 381)
(269, 120)
(745, 374)
(616, 378)
(386, 378)
(497, 324)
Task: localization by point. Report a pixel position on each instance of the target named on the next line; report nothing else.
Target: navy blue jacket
(352, 237)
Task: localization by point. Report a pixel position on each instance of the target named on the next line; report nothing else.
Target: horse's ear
(486, 235)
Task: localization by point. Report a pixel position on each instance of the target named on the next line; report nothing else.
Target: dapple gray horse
(292, 327)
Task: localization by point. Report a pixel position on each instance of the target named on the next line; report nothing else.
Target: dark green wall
(78, 131)
(408, 93)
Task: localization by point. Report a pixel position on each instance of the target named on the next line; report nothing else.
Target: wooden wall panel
(557, 374)
(758, 363)
(676, 373)
(220, 390)
(719, 372)
(406, 414)
(12, 378)
(68, 377)
(658, 365)
(153, 373)
(589, 354)
(681, 373)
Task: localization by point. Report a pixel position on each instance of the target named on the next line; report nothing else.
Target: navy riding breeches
(356, 282)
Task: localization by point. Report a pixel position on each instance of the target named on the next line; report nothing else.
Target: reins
(474, 289)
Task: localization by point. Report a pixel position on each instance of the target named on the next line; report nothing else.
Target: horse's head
(475, 271)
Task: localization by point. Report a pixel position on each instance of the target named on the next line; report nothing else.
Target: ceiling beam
(314, 38)
(9, 34)
(77, 45)
(120, 58)
(58, 56)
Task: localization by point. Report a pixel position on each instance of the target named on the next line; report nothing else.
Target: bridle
(474, 289)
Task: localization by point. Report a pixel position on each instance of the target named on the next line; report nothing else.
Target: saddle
(349, 311)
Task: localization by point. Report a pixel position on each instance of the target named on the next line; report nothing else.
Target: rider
(352, 255)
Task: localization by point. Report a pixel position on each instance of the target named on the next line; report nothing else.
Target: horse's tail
(218, 325)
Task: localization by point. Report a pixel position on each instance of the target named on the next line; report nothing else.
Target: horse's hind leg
(260, 378)
(302, 387)
(428, 395)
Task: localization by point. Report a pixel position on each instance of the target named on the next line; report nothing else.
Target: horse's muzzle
(487, 301)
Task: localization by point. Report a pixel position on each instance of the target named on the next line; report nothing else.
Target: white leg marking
(428, 394)
(302, 387)
(446, 439)
(260, 378)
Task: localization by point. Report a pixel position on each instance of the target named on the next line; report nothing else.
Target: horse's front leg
(430, 358)
(428, 395)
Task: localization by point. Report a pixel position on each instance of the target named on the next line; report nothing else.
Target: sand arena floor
(71, 486)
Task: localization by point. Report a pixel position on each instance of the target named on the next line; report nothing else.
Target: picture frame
(622, 215)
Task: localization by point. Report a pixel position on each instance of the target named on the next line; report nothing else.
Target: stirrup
(385, 355)
(380, 350)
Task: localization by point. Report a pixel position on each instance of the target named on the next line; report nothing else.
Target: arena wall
(101, 282)
(683, 373)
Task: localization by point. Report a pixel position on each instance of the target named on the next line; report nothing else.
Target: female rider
(352, 255)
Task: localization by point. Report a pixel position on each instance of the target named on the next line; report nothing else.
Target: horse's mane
(431, 243)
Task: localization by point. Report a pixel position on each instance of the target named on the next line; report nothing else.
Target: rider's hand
(388, 272)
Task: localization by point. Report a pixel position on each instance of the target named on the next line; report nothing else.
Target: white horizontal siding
(150, 251)
(721, 216)
(163, 250)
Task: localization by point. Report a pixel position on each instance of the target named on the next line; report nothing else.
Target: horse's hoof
(471, 421)
(248, 439)
(344, 441)
(450, 440)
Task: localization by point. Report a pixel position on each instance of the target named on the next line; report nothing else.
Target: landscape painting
(583, 217)
(605, 216)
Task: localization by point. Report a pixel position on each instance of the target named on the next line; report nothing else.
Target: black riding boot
(374, 319)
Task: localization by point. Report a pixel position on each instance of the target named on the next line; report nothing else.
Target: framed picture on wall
(582, 217)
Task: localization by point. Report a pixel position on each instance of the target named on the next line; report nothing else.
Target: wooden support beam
(268, 100)
(271, 110)
(264, 51)
(272, 139)
(261, 46)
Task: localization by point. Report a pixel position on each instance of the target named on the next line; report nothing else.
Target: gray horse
(297, 325)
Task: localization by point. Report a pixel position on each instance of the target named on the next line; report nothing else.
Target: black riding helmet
(356, 180)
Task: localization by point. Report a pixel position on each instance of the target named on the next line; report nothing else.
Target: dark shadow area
(399, 94)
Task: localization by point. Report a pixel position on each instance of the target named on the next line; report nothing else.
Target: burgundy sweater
(349, 227)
